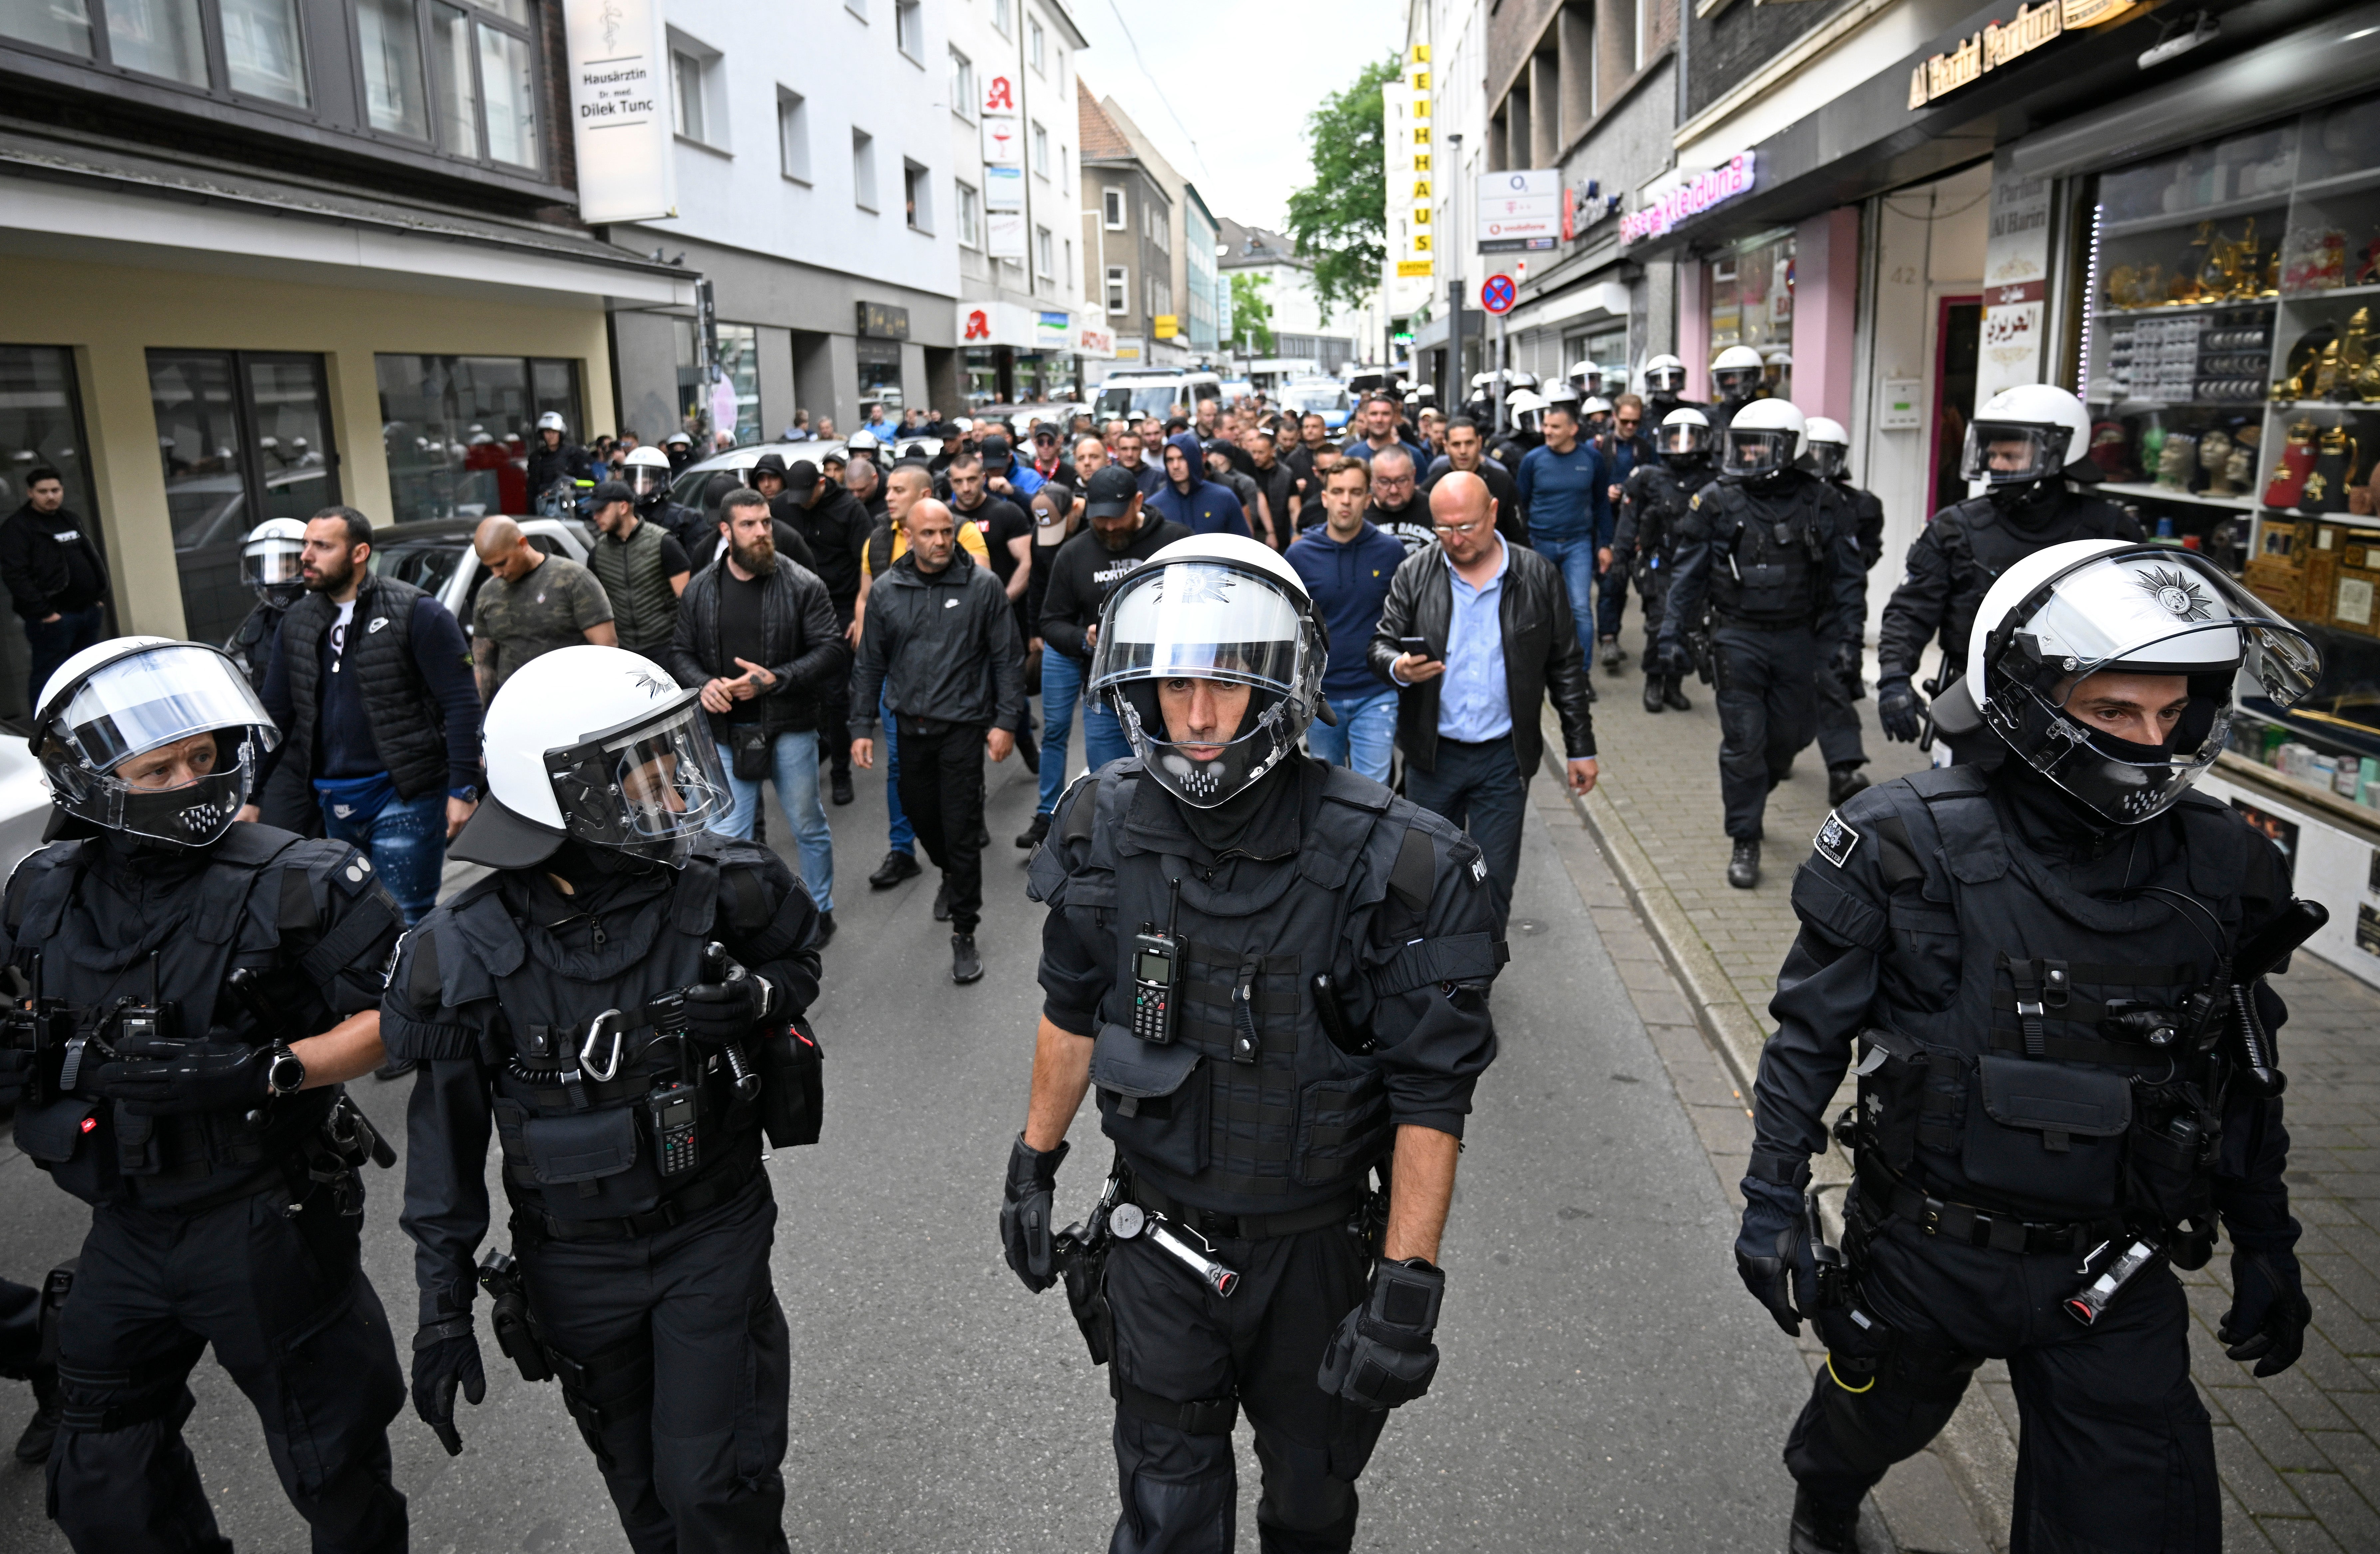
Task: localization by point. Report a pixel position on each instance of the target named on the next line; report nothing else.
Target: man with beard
(643, 570)
(1465, 451)
(1277, 492)
(1398, 509)
(1120, 533)
(833, 523)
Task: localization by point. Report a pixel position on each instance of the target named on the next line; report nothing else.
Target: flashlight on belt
(2085, 1305)
(1130, 1220)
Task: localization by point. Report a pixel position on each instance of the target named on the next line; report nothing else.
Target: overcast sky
(1241, 75)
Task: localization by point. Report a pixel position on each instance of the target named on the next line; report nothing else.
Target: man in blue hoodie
(1188, 498)
(1347, 564)
(1562, 485)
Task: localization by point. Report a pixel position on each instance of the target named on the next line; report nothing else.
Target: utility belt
(1219, 1226)
(332, 1158)
(708, 1190)
(1762, 620)
(1968, 1225)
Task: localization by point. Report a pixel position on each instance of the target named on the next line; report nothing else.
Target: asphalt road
(1605, 1384)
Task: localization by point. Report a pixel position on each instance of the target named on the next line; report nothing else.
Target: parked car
(24, 799)
(1152, 391)
(1327, 397)
(437, 558)
(687, 488)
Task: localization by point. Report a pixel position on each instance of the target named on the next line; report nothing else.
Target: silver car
(437, 558)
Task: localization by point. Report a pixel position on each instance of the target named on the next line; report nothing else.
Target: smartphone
(1417, 646)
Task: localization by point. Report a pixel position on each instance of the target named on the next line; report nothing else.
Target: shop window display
(1750, 293)
(456, 430)
(2232, 369)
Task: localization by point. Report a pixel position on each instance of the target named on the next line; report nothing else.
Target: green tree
(1251, 315)
(1339, 219)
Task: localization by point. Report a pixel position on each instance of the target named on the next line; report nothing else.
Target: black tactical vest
(409, 726)
(230, 915)
(571, 1116)
(1990, 1078)
(1251, 1107)
(251, 645)
(1657, 497)
(1765, 551)
(643, 607)
(1981, 544)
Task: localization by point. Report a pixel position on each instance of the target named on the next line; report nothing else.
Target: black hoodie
(1084, 571)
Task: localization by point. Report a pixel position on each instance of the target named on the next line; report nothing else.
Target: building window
(687, 84)
(1111, 209)
(1066, 169)
(1001, 18)
(863, 169)
(856, 8)
(1040, 150)
(1153, 221)
(508, 94)
(462, 81)
(1119, 290)
(792, 136)
(961, 85)
(1045, 254)
(909, 28)
(434, 411)
(1034, 43)
(246, 437)
(970, 218)
(1069, 277)
(263, 51)
(917, 197)
(41, 423)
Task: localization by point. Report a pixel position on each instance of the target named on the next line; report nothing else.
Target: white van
(1153, 390)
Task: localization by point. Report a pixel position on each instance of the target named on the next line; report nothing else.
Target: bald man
(531, 604)
(1467, 711)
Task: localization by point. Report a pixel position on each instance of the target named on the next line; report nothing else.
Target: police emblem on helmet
(2176, 594)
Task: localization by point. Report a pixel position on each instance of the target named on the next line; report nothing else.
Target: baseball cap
(608, 492)
(802, 475)
(1109, 492)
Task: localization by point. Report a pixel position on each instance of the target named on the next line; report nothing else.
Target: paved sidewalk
(2300, 1453)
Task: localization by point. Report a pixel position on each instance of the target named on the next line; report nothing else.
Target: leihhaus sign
(2004, 43)
(1671, 206)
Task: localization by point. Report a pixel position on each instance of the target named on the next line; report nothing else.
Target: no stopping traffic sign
(1495, 293)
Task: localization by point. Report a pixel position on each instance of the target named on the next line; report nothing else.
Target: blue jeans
(407, 844)
(1368, 727)
(1576, 558)
(793, 761)
(898, 831)
(1103, 737)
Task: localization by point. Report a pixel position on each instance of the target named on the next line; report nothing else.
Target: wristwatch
(284, 1074)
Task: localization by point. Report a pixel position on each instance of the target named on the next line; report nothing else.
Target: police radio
(676, 1113)
(1156, 976)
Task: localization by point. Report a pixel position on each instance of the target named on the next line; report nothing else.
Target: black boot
(825, 930)
(942, 903)
(966, 964)
(1817, 1530)
(841, 783)
(1843, 782)
(1654, 686)
(897, 866)
(1743, 868)
(1614, 655)
(1031, 835)
(1673, 697)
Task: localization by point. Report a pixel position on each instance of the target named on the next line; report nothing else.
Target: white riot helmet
(1665, 375)
(1736, 373)
(1527, 409)
(1562, 393)
(551, 421)
(1763, 439)
(645, 471)
(1586, 378)
(1685, 434)
(116, 701)
(1830, 445)
(2029, 433)
(1212, 607)
(1596, 405)
(2067, 611)
(599, 745)
(271, 560)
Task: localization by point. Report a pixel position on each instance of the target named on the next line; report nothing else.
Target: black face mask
(2028, 504)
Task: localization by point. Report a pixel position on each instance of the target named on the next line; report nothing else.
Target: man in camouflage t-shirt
(530, 604)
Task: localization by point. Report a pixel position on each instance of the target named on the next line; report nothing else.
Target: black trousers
(1839, 724)
(284, 1302)
(686, 1330)
(1653, 594)
(1176, 1342)
(834, 707)
(942, 792)
(1766, 713)
(1481, 788)
(2115, 1455)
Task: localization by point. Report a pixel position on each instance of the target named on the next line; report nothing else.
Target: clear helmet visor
(1683, 440)
(125, 751)
(1830, 459)
(645, 479)
(1735, 382)
(2007, 453)
(1665, 379)
(650, 788)
(277, 563)
(1753, 452)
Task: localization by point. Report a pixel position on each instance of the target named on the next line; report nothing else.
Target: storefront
(1015, 355)
(194, 367)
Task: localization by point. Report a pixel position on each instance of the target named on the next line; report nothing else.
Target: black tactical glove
(1897, 708)
(445, 1355)
(2269, 1311)
(16, 1072)
(1382, 1355)
(1768, 1248)
(1850, 669)
(719, 1012)
(1025, 1214)
(202, 1076)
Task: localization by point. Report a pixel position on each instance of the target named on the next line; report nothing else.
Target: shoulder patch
(1836, 839)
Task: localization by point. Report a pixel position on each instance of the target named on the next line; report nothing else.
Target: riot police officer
(1761, 547)
(1837, 679)
(613, 1003)
(647, 474)
(1737, 373)
(270, 564)
(1665, 384)
(192, 994)
(2031, 446)
(1304, 999)
(1651, 501)
(555, 460)
(2050, 968)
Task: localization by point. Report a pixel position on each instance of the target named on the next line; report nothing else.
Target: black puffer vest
(408, 725)
(1990, 1077)
(1251, 1108)
(1765, 550)
(227, 914)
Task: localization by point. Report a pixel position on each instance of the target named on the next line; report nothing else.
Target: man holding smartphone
(1471, 674)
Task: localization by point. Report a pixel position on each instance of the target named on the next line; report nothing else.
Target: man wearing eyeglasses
(1476, 633)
